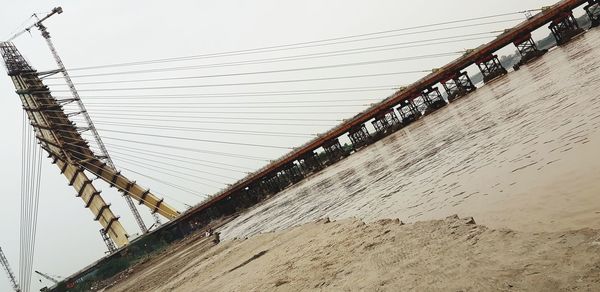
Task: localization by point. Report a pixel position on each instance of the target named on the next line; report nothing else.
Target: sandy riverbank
(441, 255)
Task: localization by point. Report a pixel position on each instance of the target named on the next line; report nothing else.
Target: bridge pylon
(61, 139)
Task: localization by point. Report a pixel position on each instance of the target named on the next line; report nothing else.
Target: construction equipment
(57, 10)
(48, 277)
(110, 245)
(90, 125)
(63, 142)
(11, 276)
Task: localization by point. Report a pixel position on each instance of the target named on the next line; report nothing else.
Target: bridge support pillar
(528, 50)
(293, 173)
(408, 112)
(262, 189)
(386, 122)
(334, 150)
(593, 11)
(433, 98)
(274, 184)
(490, 67)
(310, 162)
(458, 85)
(359, 136)
(564, 28)
(253, 194)
(284, 178)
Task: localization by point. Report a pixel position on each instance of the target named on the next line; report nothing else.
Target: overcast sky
(92, 33)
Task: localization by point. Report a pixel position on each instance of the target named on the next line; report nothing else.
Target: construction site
(450, 154)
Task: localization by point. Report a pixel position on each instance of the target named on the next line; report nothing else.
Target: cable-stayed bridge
(63, 139)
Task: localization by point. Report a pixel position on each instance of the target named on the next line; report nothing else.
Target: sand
(441, 255)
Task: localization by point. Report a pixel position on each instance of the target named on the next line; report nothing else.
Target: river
(521, 152)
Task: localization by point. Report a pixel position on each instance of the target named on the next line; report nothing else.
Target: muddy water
(521, 153)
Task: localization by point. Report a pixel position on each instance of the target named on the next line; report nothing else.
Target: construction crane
(48, 277)
(82, 110)
(11, 276)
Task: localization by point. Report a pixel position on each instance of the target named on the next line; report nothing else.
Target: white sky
(103, 32)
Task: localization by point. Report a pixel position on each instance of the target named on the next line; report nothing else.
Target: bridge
(456, 83)
(62, 141)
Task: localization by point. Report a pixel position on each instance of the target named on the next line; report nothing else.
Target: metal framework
(284, 179)
(525, 45)
(490, 67)
(408, 112)
(103, 155)
(293, 173)
(593, 11)
(457, 85)
(110, 245)
(59, 137)
(359, 136)
(310, 162)
(433, 98)
(386, 121)
(9, 272)
(334, 150)
(564, 27)
(47, 277)
(527, 49)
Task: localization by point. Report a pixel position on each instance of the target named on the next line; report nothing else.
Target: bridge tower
(62, 140)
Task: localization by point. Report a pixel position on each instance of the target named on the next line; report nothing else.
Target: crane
(48, 277)
(82, 110)
(57, 10)
(11, 276)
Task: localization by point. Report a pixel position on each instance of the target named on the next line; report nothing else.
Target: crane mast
(11, 276)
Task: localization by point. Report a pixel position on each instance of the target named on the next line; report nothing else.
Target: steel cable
(393, 60)
(288, 46)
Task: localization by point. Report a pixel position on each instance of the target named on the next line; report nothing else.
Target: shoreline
(452, 254)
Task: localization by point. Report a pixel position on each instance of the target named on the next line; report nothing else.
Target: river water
(520, 153)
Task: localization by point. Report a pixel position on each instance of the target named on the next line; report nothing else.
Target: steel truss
(458, 85)
(490, 67)
(359, 136)
(564, 28)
